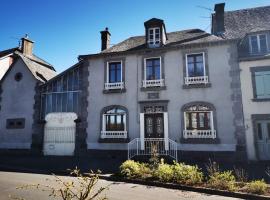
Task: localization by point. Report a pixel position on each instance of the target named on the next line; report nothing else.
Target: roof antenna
(18, 39)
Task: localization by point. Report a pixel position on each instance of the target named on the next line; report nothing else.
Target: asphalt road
(117, 190)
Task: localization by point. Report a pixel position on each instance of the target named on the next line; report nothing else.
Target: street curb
(187, 188)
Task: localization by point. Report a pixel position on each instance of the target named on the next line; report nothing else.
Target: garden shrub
(222, 180)
(132, 169)
(257, 187)
(187, 174)
(164, 173)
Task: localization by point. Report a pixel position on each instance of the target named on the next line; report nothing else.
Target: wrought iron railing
(149, 146)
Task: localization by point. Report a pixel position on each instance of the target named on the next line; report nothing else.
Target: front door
(263, 139)
(154, 125)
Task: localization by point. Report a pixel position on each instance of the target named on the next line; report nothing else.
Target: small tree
(82, 188)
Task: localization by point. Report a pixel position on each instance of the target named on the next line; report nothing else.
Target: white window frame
(194, 133)
(153, 42)
(116, 85)
(113, 134)
(198, 79)
(158, 82)
(258, 42)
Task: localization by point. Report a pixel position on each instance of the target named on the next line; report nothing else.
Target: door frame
(165, 126)
(255, 118)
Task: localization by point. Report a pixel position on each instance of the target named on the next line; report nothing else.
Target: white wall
(4, 65)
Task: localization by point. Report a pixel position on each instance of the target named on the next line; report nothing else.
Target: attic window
(154, 36)
(18, 76)
(258, 43)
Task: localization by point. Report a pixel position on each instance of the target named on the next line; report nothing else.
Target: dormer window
(154, 36)
(155, 33)
(258, 43)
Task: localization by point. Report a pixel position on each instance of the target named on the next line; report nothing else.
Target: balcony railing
(199, 134)
(113, 134)
(113, 86)
(153, 83)
(196, 80)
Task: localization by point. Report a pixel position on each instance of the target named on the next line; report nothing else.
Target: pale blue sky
(64, 29)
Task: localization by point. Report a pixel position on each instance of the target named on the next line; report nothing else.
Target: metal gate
(59, 134)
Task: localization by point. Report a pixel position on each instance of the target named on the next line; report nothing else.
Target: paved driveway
(117, 191)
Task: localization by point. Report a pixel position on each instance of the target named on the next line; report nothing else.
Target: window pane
(157, 72)
(199, 69)
(201, 120)
(118, 75)
(70, 102)
(191, 70)
(254, 44)
(76, 79)
(194, 120)
(268, 130)
(259, 85)
(59, 102)
(149, 73)
(259, 131)
(114, 72)
(54, 102)
(187, 121)
(199, 58)
(263, 46)
(70, 81)
(64, 102)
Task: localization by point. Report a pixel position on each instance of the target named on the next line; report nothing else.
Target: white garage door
(59, 134)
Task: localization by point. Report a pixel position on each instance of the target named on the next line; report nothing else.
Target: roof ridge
(253, 8)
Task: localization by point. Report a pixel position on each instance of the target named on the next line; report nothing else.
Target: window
(258, 43)
(154, 36)
(17, 123)
(114, 123)
(62, 94)
(262, 84)
(198, 122)
(195, 69)
(114, 72)
(152, 73)
(114, 76)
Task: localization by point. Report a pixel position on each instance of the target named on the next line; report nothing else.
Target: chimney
(218, 27)
(27, 46)
(105, 39)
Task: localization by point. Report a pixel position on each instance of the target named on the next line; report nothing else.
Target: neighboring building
(170, 91)
(18, 94)
(251, 28)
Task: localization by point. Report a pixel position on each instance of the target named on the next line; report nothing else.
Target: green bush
(132, 169)
(164, 173)
(187, 174)
(222, 180)
(257, 187)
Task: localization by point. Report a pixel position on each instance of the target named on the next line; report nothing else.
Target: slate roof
(177, 38)
(34, 57)
(41, 70)
(240, 22)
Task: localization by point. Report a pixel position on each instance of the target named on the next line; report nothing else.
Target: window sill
(114, 91)
(202, 85)
(113, 140)
(156, 88)
(260, 100)
(200, 141)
